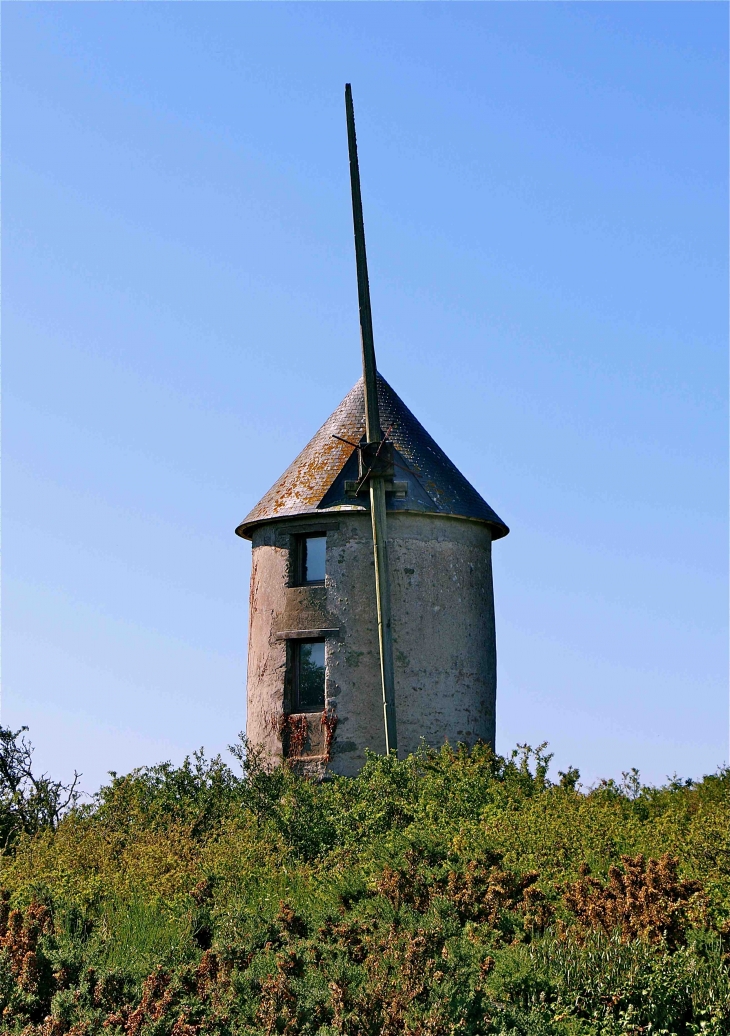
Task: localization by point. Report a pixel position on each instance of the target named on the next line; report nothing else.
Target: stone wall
(443, 634)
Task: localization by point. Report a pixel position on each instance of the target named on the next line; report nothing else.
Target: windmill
(325, 654)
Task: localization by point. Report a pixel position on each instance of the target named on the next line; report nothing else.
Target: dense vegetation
(452, 892)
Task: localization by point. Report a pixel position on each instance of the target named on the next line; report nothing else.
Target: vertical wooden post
(373, 434)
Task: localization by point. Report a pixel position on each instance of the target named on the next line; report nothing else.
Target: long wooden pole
(373, 434)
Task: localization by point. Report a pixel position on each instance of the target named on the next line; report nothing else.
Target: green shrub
(450, 892)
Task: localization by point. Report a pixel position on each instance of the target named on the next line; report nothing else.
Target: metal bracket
(398, 489)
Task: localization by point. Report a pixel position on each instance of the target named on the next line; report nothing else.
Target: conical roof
(315, 482)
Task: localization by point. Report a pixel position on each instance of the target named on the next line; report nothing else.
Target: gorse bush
(450, 892)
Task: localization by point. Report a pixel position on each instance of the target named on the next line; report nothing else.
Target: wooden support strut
(373, 434)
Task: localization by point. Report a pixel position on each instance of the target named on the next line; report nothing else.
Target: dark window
(308, 671)
(309, 559)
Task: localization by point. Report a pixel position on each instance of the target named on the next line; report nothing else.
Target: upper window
(309, 559)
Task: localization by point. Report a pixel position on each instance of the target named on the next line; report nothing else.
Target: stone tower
(314, 687)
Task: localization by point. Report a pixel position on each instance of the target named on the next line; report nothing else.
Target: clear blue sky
(546, 204)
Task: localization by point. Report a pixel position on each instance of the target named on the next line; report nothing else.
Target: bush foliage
(451, 892)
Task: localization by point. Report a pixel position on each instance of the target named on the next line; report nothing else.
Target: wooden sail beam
(374, 436)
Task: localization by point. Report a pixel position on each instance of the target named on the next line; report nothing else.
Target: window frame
(299, 553)
(295, 649)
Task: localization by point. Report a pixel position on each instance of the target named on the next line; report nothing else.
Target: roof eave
(246, 529)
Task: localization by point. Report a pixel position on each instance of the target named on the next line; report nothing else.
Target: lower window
(308, 673)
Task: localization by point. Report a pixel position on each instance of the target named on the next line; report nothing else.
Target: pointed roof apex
(314, 483)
